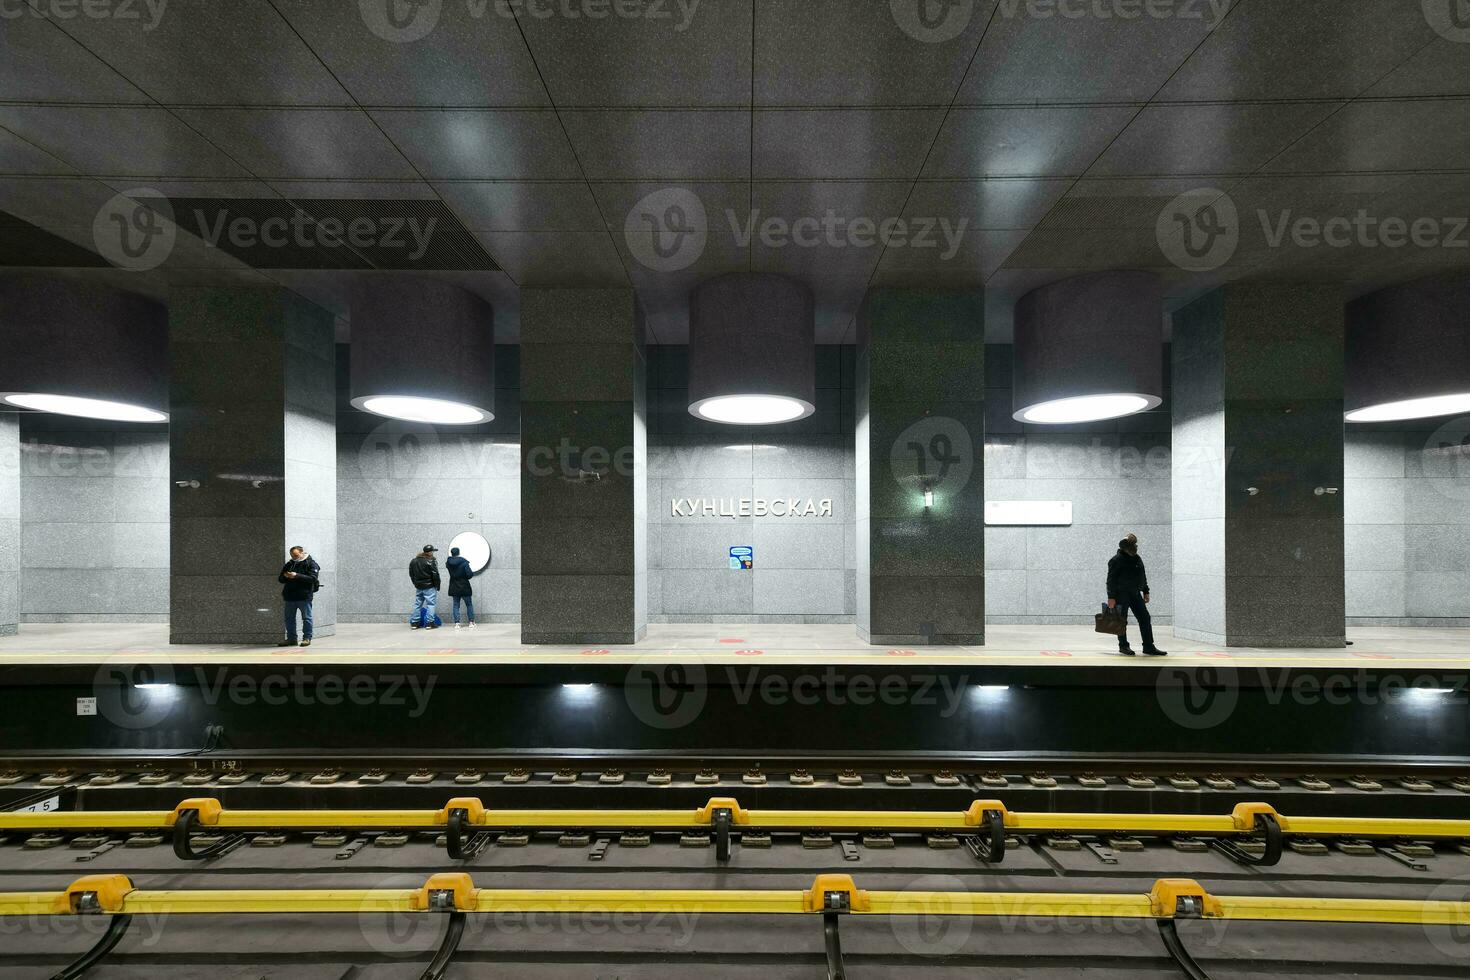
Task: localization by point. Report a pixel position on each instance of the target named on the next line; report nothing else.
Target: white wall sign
(749, 507)
(1040, 513)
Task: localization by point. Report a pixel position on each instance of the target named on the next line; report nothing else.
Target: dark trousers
(294, 606)
(1135, 602)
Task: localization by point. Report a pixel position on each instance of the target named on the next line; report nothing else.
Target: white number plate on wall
(1047, 513)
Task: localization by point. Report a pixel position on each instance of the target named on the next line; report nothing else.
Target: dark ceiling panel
(132, 141)
(1391, 135)
(1207, 139)
(445, 54)
(1039, 141)
(1103, 59)
(814, 229)
(481, 144)
(815, 143)
(507, 205)
(24, 244)
(39, 62)
(333, 234)
(302, 143)
(839, 53)
(1301, 49)
(957, 253)
(204, 51)
(663, 145)
(19, 157)
(646, 54)
(556, 258)
(1441, 68)
(989, 204)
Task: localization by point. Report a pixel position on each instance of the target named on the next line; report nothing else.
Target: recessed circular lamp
(414, 408)
(1087, 408)
(752, 409)
(1413, 408)
(88, 408)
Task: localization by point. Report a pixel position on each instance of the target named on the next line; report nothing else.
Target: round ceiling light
(81, 348)
(1086, 408)
(1089, 349)
(411, 408)
(1413, 408)
(751, 409)
(422, 351)
(1408, 352)
(87, 408)
(752, 350)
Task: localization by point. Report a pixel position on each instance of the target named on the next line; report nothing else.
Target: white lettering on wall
(733, 507)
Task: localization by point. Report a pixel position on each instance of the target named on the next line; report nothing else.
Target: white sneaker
(456, 626)
(472, 625)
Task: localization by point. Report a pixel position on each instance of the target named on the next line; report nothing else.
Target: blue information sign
(742, 557)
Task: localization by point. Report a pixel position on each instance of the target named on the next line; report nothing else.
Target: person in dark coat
(1128, 588)
(460, 589)
(423, 572)
(300, 578)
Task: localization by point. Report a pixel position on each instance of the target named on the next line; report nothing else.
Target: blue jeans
(292, 607)
(424, 603)
(469, 607)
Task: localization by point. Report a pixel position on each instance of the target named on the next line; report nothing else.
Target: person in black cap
(1128, 587)
(300, 579)
(423, 572)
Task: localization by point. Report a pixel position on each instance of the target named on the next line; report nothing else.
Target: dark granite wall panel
(920, 375)
(9, 522)
(1262, 365)
(583, 454)
(259, 442)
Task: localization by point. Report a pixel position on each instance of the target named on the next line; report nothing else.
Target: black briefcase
(1113, 622)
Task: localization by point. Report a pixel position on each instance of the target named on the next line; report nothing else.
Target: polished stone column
(921, 425)
(9, 522)
(584, 481)
(252, 456)
(1258, 466)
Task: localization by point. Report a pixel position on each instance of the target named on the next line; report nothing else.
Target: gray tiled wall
(1406, 501)
(1117, 476)
(804, 566)
(94, 533)
(401, 486)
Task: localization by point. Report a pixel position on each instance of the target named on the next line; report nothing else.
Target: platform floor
(826, 644)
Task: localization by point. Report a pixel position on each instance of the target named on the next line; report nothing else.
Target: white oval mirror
(473, 548)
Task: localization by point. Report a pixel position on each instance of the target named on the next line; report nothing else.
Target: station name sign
(750, 507)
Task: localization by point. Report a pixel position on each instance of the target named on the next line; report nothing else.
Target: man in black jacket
(1128, 587)
(300, 578)
(423, 572)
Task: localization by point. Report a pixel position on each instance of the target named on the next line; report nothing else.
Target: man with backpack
(300, 579)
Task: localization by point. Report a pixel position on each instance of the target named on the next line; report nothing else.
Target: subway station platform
(1038, 646)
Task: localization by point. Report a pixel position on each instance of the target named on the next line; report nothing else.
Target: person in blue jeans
(423, 572)
(460, 589)
(300, 579)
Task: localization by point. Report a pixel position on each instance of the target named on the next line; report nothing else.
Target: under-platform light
(751, 409)
(752, 350)
(87, 408)
(1087, 408)
(1413, 408)
(412, 408)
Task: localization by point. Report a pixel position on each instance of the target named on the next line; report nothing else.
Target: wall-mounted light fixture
(1408, 351)
(928, 496)
(422, 351)
(752, 350)
(83, 348)
(1089, 348)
